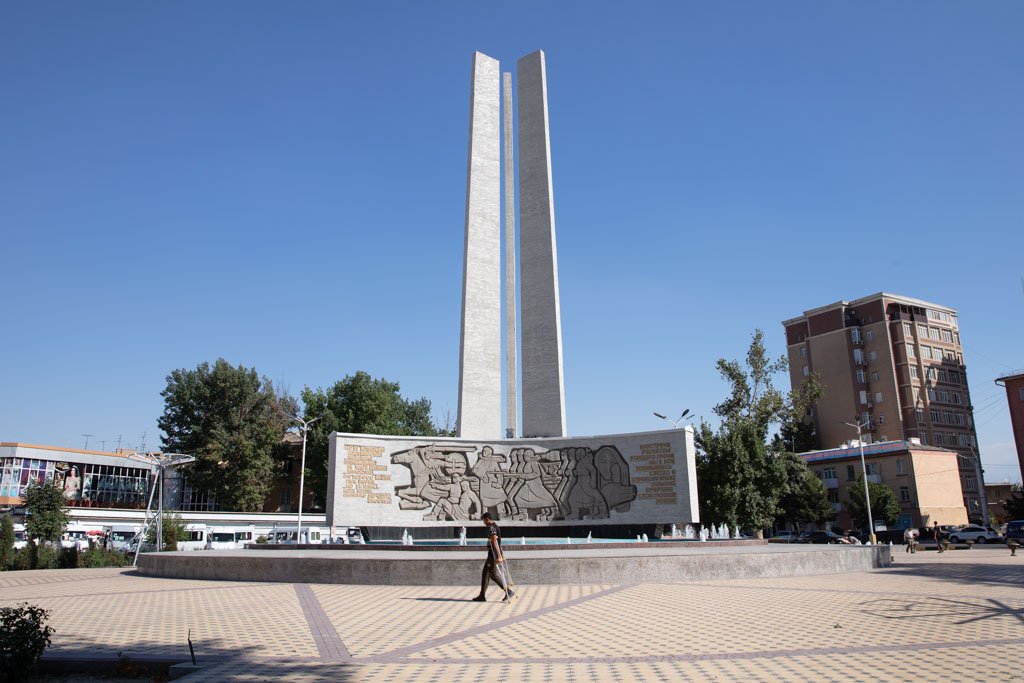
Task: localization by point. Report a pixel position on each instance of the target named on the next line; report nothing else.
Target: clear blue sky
(283, 185)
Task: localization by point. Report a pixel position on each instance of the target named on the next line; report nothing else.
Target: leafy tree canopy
(46, 510)
(233, 422)
(884, 507)
(804, 497)
(357, 404)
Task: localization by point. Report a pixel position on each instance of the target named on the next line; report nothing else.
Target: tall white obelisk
(480, 343)
(511, 345)
(543, 393)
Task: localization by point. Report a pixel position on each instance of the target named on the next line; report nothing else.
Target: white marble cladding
(543, 400)
(639, 478)
(511, 347)
(479, 412)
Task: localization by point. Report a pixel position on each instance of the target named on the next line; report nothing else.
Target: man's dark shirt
(492, 530)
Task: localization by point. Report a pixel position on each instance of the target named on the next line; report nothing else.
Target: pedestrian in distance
(494, 566)
(937, 533)
(910, 539)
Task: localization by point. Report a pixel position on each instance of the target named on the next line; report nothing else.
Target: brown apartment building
(893, 362)
(1013, 382)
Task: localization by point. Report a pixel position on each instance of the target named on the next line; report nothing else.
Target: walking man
(937, 533)
(494, 566)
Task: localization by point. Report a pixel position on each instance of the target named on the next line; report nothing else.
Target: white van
(229, 537)
(75, 536)
(20, 537)
(289, 534)
(121, 536)
(196, 539)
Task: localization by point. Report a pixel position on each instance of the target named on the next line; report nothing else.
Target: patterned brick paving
(951, 617)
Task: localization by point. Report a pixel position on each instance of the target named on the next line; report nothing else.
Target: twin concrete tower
(480, 394)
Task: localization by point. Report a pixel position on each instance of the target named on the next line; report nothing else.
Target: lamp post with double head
(864, 468)
(162, 461)
(685, 417)
(302, 470)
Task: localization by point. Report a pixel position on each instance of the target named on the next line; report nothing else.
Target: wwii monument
(543, 478)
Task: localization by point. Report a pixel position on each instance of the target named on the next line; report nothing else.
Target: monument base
(636, 563)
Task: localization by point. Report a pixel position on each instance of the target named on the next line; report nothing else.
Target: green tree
(884, 507)
(1015, 503)
(46, 512)
(739, 480)
(6, 542)
(174, 530)
(357, 404)
(233, 422)
(804, 497)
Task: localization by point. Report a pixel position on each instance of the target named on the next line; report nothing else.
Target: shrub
(68, 558)
(261, 539)
(97, 557)
(6, 542)
(24, 636)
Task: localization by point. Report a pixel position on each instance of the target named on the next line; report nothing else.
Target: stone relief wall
(525, 484)
(631, 478)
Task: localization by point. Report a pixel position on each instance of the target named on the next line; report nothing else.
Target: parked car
(973, 532)
(1015, 531)
(819, 537)
(784, 537)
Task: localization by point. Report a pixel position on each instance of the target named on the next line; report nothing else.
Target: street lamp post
(864, 469)
(676, 423)
(162, 462)
(302, 470)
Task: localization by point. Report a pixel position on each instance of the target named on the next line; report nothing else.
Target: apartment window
(910, 351)
(943, 377)
(873, 356)
(931, 373)
(828, 473)
(862, 377)
(901, 466)
(907, 330)
(850, 473)
(919, 414)
(917, 394)
(944, 395)
(926, 351)
(855, 335)
(874, 376)
(285, 501)
(858, 357)
(957, 398)
(881, 420)
(932, 396)
(922, 331)
(947, 336)
(863, 398)
(869, 335)
(935, 415)
(878, 397)
(924, 439)
(958, 418)
(965, 440)
(803, 352)
(954, 376)
(807, 371)
(904, 494)
(833, 497)
(864, 419)
(951, 356)
(913, 372)
(947, 416)
(971, 482)
(872, 468)
(933, 333)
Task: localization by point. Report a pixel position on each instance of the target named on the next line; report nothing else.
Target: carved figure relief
(561, 484)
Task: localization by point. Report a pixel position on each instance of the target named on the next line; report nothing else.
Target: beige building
(924, 479)
(893, 363)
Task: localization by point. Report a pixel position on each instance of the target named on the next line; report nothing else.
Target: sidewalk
(953, 616)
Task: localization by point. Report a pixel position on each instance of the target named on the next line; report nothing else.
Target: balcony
(830, 482)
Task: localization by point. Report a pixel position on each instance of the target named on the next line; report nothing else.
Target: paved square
(958, 616)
